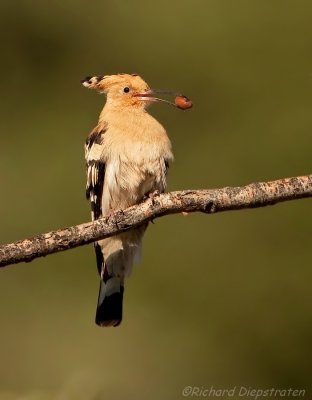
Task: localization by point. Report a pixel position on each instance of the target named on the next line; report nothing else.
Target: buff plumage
(127, 157)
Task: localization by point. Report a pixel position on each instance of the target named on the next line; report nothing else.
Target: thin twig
(206, 201)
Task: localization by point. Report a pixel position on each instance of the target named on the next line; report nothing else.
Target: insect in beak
(180, 101)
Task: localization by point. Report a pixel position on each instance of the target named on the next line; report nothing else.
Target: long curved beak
(147, 95)
(180, 101)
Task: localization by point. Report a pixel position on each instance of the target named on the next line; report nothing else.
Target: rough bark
(207, 201)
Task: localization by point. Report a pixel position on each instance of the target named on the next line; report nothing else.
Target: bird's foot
(153, 195)
(114, 215)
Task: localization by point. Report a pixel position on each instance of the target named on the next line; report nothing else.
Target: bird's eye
(126, 89)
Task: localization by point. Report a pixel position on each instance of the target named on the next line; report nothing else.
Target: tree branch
(207, 201)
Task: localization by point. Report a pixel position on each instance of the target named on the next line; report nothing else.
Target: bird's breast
(134, 155)
(128, 181)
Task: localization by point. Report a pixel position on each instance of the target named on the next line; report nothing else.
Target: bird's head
(123, 90)
(130, 90)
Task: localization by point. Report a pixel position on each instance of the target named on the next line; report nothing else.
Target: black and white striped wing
(95, 172)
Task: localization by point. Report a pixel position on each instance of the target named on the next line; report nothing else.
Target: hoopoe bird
(127, 156)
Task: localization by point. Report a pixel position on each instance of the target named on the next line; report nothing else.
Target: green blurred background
(221, 300)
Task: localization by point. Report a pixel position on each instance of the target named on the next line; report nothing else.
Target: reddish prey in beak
(180, 101)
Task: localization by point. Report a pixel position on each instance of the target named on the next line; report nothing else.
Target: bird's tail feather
(114, 260)
(109, 307)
